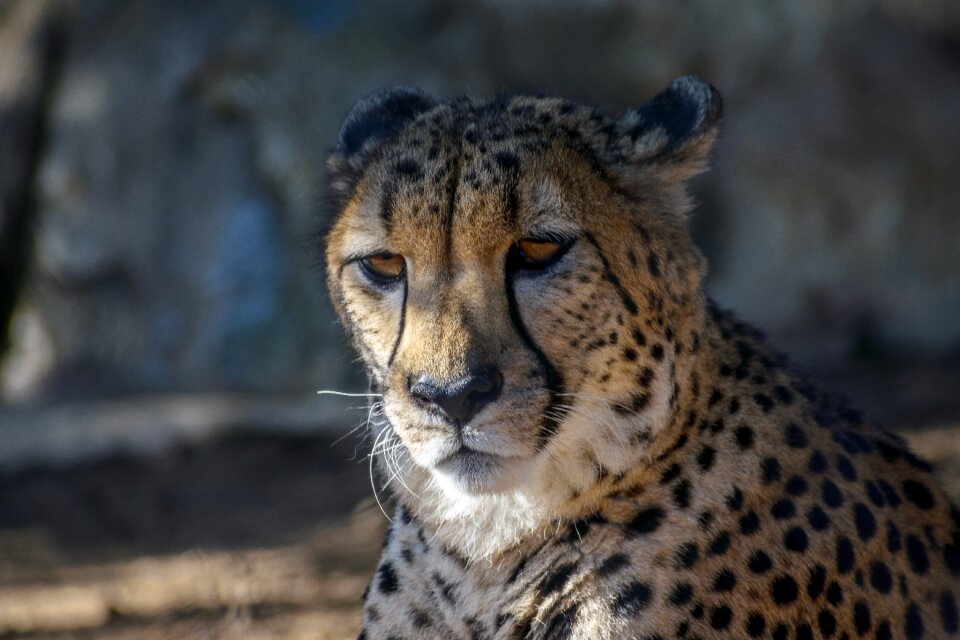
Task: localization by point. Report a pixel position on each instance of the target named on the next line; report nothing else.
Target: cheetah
(581, 443)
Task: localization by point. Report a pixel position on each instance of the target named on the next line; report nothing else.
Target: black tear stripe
(403, 322)
(549, 424)
(611, 277)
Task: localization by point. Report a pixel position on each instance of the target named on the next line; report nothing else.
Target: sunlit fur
(636, 420)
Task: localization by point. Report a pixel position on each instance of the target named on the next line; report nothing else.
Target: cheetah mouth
(476, 471)
(466, 457)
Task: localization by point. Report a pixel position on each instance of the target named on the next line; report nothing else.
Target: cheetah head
(518, 278)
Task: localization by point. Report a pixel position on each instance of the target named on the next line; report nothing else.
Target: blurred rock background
(161, 181)
(163, 168)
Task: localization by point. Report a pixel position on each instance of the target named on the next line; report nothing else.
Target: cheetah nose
(461, 399)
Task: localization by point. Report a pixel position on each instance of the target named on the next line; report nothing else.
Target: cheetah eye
(383, 269)
(536, 253)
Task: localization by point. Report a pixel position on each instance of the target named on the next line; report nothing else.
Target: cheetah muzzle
(581, 445)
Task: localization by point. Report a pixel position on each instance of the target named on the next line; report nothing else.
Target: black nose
(460, 399)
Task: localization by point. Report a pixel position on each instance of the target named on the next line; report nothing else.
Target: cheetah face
(493, 263)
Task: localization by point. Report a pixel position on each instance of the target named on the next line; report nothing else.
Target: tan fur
(676, 427)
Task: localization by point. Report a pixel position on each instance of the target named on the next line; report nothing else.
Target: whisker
(345, 394)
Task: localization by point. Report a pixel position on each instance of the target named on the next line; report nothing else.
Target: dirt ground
(256, 536)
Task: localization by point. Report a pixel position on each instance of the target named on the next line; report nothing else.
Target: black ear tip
(696, 91)
(381, 113)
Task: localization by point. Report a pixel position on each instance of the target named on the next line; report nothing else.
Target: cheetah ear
(675, 130)
(372, 122)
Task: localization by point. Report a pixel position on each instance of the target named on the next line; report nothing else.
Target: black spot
(656, 352)
(687, 555)
(653, 264)
(749, 523)
(893, 498)
(796, 486)
(719, 545)
(507, 161)
(818, 518)
(783, 394)
(557, 579)
(632, 599)
(783, 590)
(756, 624)
(880, 578)
(734, 406)
(630, 354)
(759, 562)
(764, 402)
(796, 437)
(771, 469)
(804, 632)
(883, 631)
(670, 474)
(613, 564)
(681, 494)
(827, 624)
(845, 555)
(818, 578)
(796, 540)
(387, 578)
(705, 458)
(832, 495)
(681, 594)
(875, 495)
(518, 570)
(951, 557)
(720, 617)
(646, 521)
(780, 632)
(861, 618)
(818, 463)
(724, 581)
(715, 396)
(913, 625)
(420, 619)
(846, 468)
(834, 593)
(918, 494)
(744, 437)
(894, 542)
(735, 500)
(446, 589)
(561, 625)
(948, 612)
(783, 509)
(866, 523)
(917, 554)
(639, 338)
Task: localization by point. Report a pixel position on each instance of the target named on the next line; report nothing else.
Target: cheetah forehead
(400, 140)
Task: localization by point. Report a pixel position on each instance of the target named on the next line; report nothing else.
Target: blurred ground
(251, 535)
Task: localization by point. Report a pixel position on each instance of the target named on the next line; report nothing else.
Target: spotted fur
(650, 468)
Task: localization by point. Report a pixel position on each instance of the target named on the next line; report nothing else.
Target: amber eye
(383, 268)
(537, 254)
